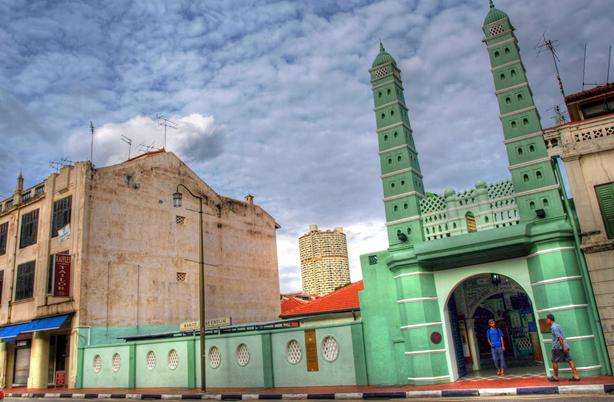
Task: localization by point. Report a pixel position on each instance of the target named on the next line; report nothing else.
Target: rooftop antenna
(59, 164)
(559, 116)
(607, 75)
(92, 143)
(550, 45)
(128, 141)
(584, 83)
(147, 148)
(166, 123)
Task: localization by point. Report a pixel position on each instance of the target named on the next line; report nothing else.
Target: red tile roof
(344, 299)
(290, 303)
(602, 89)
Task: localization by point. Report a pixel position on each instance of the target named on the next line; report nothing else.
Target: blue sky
(273, 98)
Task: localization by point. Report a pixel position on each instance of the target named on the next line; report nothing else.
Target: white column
(473, 344)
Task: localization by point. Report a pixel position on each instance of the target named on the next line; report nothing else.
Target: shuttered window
(605, 196)
(29, 229)
(1, 284)
(24, 283)
(61, 214)
(471, 225)
(4, 234)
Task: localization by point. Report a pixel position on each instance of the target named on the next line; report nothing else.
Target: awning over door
(10, 332)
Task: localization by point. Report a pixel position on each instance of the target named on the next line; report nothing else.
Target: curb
(481, 392)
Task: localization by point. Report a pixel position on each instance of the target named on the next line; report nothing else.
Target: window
(605, 197)
(386, 137)
(97, 364)
(330, 349)
(525, 178)
(513, 73)
(519, 97)
(395, 134)
(508, 100)
(372, 259)
(471, 225)
(61, 214)
(4, 233)
(215, 357)
(293, 352)
(116, 362)
(545, 202)
(507, 50)
(242, 354)
(39, 190)
(173, 359)
(532, 205)
(388, 91)
(24, 283)
(51, 272)
(379, 94)
(1, 284)
(525, 121)
(497, 53)
(150, 360)
(531, 148)
(519, 151)
(538, 175)
(513, 123)
(502, 76)
(29, 228)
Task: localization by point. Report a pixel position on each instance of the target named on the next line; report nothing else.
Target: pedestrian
(497, 347)
(560, 351)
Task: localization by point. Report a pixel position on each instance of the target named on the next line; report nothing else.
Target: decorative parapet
(580, 138)
(493, 206)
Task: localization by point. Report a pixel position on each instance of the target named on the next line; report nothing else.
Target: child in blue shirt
(497, 347)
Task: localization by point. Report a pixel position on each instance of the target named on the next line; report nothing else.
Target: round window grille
(173, 359)
(330, 349)
(242, 355)
(215, 358)
(151, 360)
(293, 352)
(116, 362)
(97, 363)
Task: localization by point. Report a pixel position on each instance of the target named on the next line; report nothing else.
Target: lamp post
(177, 198)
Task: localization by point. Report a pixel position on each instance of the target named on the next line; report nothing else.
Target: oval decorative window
(97, 363)
(173, 359)
(215, 358)
(330, 349)
(242, 355)
(116, 362)
(293, 352)
(151, 360)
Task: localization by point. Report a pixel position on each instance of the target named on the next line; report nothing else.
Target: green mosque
(507, 251)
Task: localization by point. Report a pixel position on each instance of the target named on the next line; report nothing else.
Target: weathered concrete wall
(139, 247)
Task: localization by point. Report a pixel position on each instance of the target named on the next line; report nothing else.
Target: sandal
(553, 379)
(574, 379)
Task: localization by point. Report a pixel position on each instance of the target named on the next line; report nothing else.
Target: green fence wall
(174, 362)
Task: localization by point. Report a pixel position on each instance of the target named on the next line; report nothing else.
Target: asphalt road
(558, 398)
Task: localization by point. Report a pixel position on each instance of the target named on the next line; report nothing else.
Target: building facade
(586, 147)
(505, 251)
(93, 254)
(324, 260)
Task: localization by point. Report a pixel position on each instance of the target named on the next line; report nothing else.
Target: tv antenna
(59, 164)
(550, 46)
(92, 143)
(166, 123)
(147, 148)
(607, 75)
(559, 116)
(128, 141)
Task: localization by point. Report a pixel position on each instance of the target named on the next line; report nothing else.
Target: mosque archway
(470, 305)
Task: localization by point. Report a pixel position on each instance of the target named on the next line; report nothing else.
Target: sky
(273, 98)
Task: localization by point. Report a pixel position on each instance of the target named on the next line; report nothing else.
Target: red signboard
(60, 378)
(61, 277)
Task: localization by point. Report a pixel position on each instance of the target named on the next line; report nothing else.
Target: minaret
(401, 177)
(532, 173)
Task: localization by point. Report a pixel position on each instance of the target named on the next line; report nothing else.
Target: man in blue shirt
(560, 351)
(497, 347)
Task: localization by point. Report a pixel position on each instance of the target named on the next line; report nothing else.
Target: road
(558, 398)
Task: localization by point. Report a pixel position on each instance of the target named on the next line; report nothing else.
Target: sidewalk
(490, 387)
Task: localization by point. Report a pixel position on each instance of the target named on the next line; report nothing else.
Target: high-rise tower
(533, 176)
(401, 177)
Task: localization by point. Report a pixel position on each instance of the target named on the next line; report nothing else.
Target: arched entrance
(470, 305)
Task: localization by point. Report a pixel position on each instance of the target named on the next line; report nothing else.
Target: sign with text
(60, 378)
(193, 326)
(61, 275)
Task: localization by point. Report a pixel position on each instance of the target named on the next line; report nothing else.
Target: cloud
(274, 98)
(195, 138)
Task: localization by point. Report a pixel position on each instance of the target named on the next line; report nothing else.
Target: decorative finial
(381, 47)
(492, 5)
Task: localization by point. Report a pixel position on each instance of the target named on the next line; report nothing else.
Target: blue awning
(10, 332)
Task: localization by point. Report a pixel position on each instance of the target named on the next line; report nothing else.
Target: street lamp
(177, 200)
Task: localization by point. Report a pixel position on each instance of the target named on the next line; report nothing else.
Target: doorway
(21, 365)
(471, 305)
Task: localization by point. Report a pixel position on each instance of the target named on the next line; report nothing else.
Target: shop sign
(193, 326)
(61, 275)
(60, 378)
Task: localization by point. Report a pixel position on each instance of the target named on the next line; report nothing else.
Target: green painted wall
(107, 377)
(339, 372)
(268, 363)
